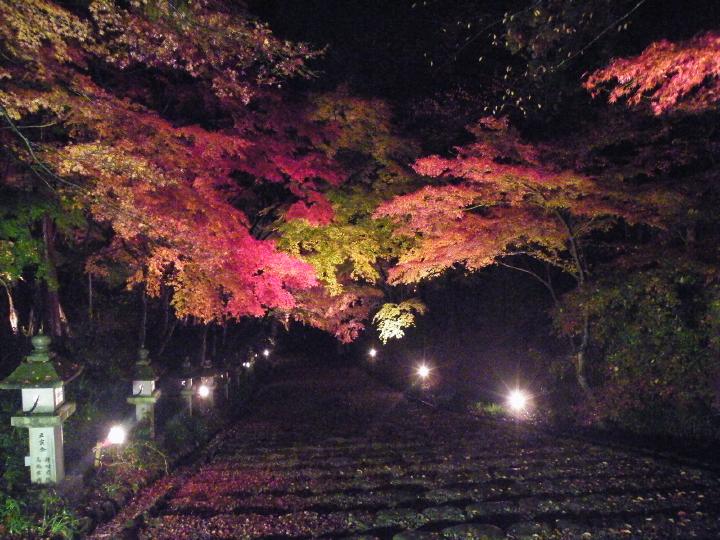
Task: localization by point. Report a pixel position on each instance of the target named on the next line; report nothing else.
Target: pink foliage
(317, 211)
(340, 314)
(497, 195)
(684, 75)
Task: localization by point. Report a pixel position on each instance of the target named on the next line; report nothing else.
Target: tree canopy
(185, 150)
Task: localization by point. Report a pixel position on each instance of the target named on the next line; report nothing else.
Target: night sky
(404, 49)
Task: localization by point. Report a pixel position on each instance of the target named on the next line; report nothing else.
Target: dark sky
(384, 47)
(375, 45)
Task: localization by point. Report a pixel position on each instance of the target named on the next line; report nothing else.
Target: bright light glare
(423, 371)
(247, 364)
(372, 353)
(203, 391)
(517, 400)
(116, 435)
(266, 353)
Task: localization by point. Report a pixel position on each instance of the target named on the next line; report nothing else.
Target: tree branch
(547, 284)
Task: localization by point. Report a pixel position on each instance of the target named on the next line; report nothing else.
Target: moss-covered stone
(414, 535)
(61, 414)
(473, 531)
(444, 513)
(39, 369)
(399, 518)
(493, 508)
(528, 530)
(32, 375)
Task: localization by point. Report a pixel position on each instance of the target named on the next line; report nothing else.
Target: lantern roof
(187, 370)
(207, 369)
(143, 370)
(41, 368)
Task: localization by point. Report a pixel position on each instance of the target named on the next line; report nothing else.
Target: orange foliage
(668, 75)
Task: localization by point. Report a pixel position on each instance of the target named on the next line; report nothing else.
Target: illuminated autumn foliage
(336, 233)
(171, 193)
(667, 75)
(498, 198)
(180, 151)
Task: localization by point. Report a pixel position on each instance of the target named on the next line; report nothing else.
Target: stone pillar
(43, 412)
(206, 388)
(186, 385)
(46, 459)
(207, 382)
(187, 395)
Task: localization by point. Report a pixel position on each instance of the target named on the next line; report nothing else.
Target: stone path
(333, 454)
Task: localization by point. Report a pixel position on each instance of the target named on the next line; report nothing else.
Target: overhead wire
(481, 31)
(601, 34)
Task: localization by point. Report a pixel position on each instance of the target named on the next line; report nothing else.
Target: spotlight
(517, 400)
(423, 371)
(203, 391)
(266, 353)
(372, 353)
(116, 435)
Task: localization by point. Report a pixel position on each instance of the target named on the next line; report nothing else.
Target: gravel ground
(333, 454)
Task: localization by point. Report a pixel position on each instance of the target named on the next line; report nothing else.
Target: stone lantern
(44, 410)
(144, 394)
(186, 384)
(225, 378)
(242, 374)
(208, 376)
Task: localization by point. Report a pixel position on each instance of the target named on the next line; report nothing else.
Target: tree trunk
(213, 348)
(166, 338)
(12, 312)
(581, 351)
(57, 323)
(691, 238)
(203, 350)
(90, 297)
(580, 359)
(165, 300)
(143, 316)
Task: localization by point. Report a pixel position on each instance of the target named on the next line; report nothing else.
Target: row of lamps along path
(41, 378)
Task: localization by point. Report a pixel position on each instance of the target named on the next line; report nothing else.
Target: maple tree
(523, 59)
(498, 199)
(392, 319)
(172, 162)
(499, 187)
(237, 213)
(669, 76)
(173, 196)
(349, 250)
(653, 306)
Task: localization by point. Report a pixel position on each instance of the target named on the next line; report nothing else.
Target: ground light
(423, 371)
(372, 353)
(517, 400)
(203, 391)
(266, 353)
(116, 435)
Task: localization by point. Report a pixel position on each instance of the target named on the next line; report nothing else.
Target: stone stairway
(333, 454)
